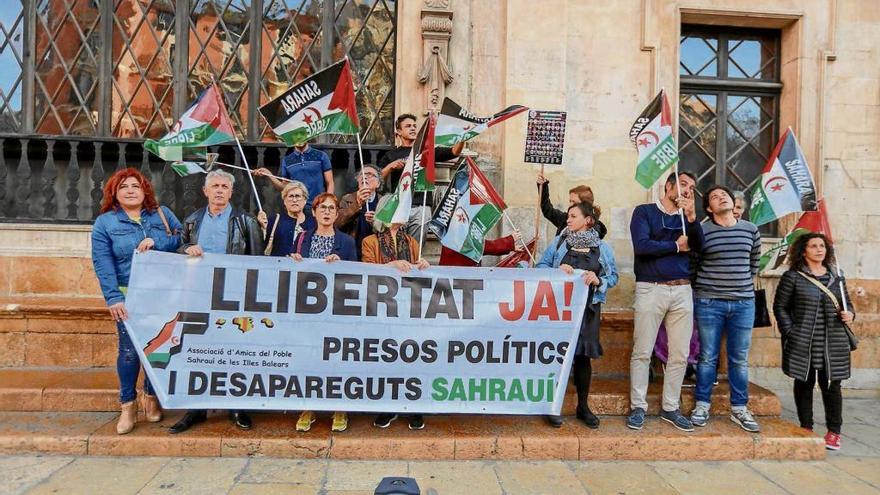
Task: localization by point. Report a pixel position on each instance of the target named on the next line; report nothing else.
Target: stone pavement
(854, 470)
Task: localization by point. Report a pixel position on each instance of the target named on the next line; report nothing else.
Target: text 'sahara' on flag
(786, 184)
(455, 124)
(470, 207)
(652, 136)
(396, 208)
(810, 221)
(321, 104)
(205, 123)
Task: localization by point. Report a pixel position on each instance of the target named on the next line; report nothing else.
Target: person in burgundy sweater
(493, 247)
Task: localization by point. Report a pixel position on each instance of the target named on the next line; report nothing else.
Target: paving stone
(275, 435)
(361, 475)
(734, 478)
(362, 440)
(866, 469)
(88, 476)
(153, 439)
(21, 473)
(538, 477)
(604, 478)
(195, 476)
(297, 472)
(819, 478)
(861, 440)
(455, 477)
(274, 489)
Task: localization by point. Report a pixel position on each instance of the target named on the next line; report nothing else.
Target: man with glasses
(662, 239)
(356, 209)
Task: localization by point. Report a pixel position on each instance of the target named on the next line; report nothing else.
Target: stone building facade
(602, 62)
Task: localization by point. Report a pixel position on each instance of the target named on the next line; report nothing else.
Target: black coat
(796, 305)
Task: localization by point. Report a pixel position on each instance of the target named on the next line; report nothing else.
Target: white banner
(251, 333)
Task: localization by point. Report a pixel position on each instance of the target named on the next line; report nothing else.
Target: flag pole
(363, 177)
(521, 240)
(238, 143)
(282, 179)
(680, 210)
(422, 222)
(842, 290)
(538, 214)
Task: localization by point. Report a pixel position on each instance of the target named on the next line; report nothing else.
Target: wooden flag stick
(422, 223)
(678, 189)
(521, 240)
(538, 214)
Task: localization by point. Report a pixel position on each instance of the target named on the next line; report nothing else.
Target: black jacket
(244, 237)
(796, 305)
(558, 217)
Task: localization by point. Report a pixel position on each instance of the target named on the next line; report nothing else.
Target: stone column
(434, 74)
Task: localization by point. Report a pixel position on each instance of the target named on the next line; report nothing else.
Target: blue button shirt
(214, 232)
(307, 167)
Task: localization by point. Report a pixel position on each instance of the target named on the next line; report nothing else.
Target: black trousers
(583, 374)
(832, 399)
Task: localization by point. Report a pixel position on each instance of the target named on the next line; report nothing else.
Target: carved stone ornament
(435, 73)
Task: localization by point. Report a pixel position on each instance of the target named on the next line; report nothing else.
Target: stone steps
(444, 438)
(96, 390)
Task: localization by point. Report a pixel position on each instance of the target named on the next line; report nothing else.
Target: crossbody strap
(164, 221)
(272, 234)
(823, 289)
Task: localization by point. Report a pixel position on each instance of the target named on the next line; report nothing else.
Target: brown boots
(152, 409)
(128, 416)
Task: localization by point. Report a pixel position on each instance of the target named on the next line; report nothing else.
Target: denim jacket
(114, 239)
(557, 250)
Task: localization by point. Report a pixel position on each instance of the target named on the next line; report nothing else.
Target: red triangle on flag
(816, 221)
(343, 96)
(210, 109)
(481, 189)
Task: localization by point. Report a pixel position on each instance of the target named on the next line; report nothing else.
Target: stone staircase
(58, 395)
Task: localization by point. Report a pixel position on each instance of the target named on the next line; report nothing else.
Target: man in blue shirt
(663, 294)
(219, 228)
(306, 164)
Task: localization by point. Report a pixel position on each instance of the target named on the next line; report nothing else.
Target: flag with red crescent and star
(652, 136)
(786, 184)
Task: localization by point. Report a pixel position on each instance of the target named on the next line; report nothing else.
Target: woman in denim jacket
(131, 220)
(579, 246)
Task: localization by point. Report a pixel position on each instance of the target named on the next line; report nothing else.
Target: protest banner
(266, 333)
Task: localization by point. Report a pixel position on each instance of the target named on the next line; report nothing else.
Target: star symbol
(461, 217)
(307, 119)
(405, 186)
(643, 142)
(776, 187)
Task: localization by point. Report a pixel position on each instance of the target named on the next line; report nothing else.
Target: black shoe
(242, 420)
(555, 421)
(416, 422)
(187, 421)
(589, 419)
(384, 420)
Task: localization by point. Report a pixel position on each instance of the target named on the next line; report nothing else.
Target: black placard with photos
(545, 137)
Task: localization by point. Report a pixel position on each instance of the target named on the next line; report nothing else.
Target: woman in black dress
(579, 247)
(809, 308)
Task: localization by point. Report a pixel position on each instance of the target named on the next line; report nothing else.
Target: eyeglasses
(327, 207)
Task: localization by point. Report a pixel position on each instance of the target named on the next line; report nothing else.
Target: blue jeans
(715, 317)
(128, 366)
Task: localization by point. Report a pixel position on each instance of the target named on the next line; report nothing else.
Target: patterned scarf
(582, 240)
(391, 251)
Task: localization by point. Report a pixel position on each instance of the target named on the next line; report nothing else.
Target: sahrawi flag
(651, 134)
(205, 123)
(470, 207)
(169, 339)
(786, 185)
(423, 160)
(321, 104)
(456, 124)
(810, 221)
(187, 168)
(396, 209)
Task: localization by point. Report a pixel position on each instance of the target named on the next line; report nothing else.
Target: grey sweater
(728, 261)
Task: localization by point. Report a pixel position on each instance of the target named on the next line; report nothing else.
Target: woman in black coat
(814, 339)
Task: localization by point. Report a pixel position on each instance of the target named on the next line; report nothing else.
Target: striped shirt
(728, 261)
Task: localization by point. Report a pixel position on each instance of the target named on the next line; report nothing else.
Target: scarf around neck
(582, 240)
(390, 250)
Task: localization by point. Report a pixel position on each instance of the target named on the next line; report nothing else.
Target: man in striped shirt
(725, 304)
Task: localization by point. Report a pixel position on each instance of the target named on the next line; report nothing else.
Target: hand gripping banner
(264, 333)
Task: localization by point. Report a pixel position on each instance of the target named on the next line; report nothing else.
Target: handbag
(853, 340)
(762, 313)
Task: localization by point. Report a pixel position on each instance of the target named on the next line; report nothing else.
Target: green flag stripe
(653, 166)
